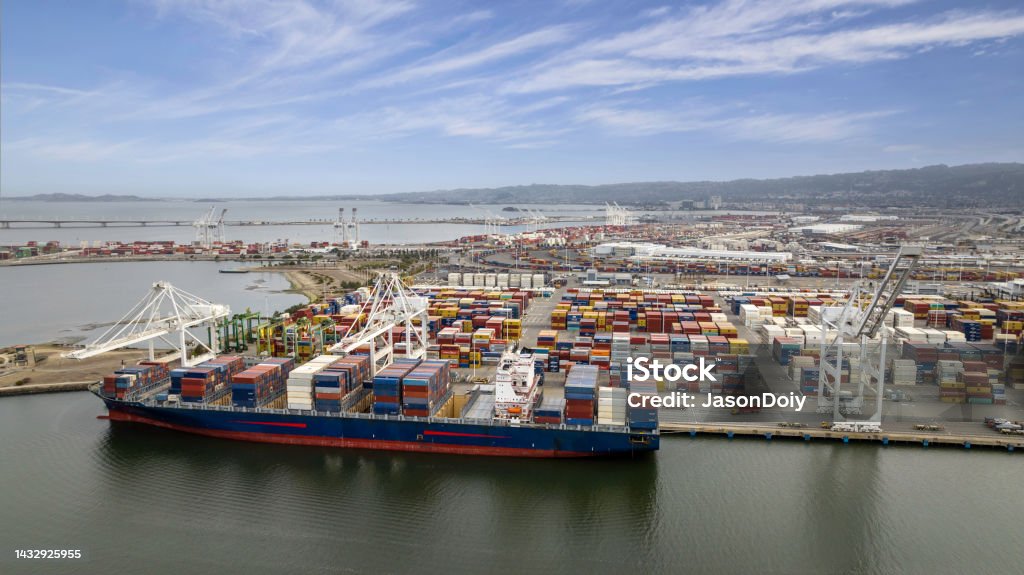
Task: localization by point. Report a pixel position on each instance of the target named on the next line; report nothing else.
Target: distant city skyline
(276, 97)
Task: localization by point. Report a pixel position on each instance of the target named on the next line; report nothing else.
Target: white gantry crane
(391, 305)
(616, 215)
(346, 233)
(859, 322)
(165, 311)
(341, 229)
(218, 227)
(203, 226)
(536, 218)
(492, 222)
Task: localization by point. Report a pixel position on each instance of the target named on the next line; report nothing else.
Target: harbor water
(68, 302)
(130, 496)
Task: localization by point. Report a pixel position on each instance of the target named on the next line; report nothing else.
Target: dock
(993, 440)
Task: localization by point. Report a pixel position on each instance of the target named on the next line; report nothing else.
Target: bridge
(113, 223)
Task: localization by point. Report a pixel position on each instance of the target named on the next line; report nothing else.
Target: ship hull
(388, 433)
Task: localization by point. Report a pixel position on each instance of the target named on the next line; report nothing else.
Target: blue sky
(254, 97)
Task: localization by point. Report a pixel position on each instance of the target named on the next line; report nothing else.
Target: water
(135, 499)
(291, 210)
(47, 302)
(282, 210)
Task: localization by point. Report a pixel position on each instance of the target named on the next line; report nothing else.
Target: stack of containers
(739, 346)
(998, 393)
(771, 332)
(976, 383)
(611, 405)
(425, 388)
(619, 355)
(904, 372)
(809, 377)
(661, 347)
(254, 387)
(203, 384)
(784, 348)
(717, 345)
(699, 346)
(229, 365)
(549, 411)
(559, 319)
(300, 387)
(798, 307)
(580, 394)
(387, 386)
(798, 363)
(644, 416)
(902, 318)
(547, 339)
(133, 382)
(1015, 372)
(750, 315)
(972, 330)
(329, 386)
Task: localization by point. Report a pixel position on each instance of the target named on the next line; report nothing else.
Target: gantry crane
(219, 226)
(165, 310)
(203, 226)
(859, 323)
(391, 305)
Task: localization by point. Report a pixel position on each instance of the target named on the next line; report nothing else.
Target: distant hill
(80, 198)
(936, 186)
(972, 185)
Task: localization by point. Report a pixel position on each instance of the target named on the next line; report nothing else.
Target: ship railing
(471, 421)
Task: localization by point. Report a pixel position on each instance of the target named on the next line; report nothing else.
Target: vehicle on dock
(857, 427)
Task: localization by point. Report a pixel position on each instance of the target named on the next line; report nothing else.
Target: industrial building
(649, 251)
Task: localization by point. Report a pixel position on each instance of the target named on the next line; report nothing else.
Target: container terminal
(892, 333)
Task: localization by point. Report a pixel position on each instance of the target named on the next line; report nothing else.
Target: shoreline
(301, 283)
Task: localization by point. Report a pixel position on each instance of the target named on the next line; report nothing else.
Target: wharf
(13, 390)
(1010, 443)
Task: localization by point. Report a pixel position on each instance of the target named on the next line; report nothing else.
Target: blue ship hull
(367, 431)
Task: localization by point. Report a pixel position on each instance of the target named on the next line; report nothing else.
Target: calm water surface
(138, 500)
(71, 301)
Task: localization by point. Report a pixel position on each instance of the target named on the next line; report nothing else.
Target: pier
(768, 432)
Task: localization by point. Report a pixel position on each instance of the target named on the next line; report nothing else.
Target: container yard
(555, 357)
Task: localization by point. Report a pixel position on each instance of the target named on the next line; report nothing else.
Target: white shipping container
(538, 280)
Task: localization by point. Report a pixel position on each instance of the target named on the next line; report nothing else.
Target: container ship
(407, 405)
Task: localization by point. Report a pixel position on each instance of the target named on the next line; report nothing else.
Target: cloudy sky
(250, 97)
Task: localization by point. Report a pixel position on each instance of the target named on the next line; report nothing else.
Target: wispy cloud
(294, 77)
(740, 38)
(492, 119)
(730, 122)
(446, 64)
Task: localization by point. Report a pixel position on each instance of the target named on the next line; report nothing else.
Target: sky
(287, 97)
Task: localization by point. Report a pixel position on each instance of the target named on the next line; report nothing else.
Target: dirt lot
(51, 368)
